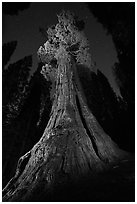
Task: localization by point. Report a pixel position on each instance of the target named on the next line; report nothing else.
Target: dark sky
(24, 28)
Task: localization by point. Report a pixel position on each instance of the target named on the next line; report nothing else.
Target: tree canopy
(66, 38)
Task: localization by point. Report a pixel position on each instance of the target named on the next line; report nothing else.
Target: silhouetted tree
(15, 83)
(12, 8)
(122, 30)
(14, 92)
(7, 51)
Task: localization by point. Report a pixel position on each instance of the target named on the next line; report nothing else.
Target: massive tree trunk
(73, 145)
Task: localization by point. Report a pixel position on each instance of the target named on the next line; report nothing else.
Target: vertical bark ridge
(86, 127)
(107, 149)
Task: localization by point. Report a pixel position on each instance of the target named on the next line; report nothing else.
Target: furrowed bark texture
(73, 144)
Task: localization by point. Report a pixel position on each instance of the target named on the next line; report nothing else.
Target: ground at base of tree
(115, 185)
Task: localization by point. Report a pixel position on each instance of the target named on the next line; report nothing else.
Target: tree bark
(73, 145)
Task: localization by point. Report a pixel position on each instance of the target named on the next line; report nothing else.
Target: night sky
(24, 28)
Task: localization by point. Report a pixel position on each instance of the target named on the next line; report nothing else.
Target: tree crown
(64, 39)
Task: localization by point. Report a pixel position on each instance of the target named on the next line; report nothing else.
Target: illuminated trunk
(73, 144)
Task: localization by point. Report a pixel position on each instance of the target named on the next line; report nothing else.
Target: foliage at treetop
(65, 38)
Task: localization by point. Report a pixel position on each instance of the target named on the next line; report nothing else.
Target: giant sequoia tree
(73, 145)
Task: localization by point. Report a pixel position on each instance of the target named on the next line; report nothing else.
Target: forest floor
(115, 185)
